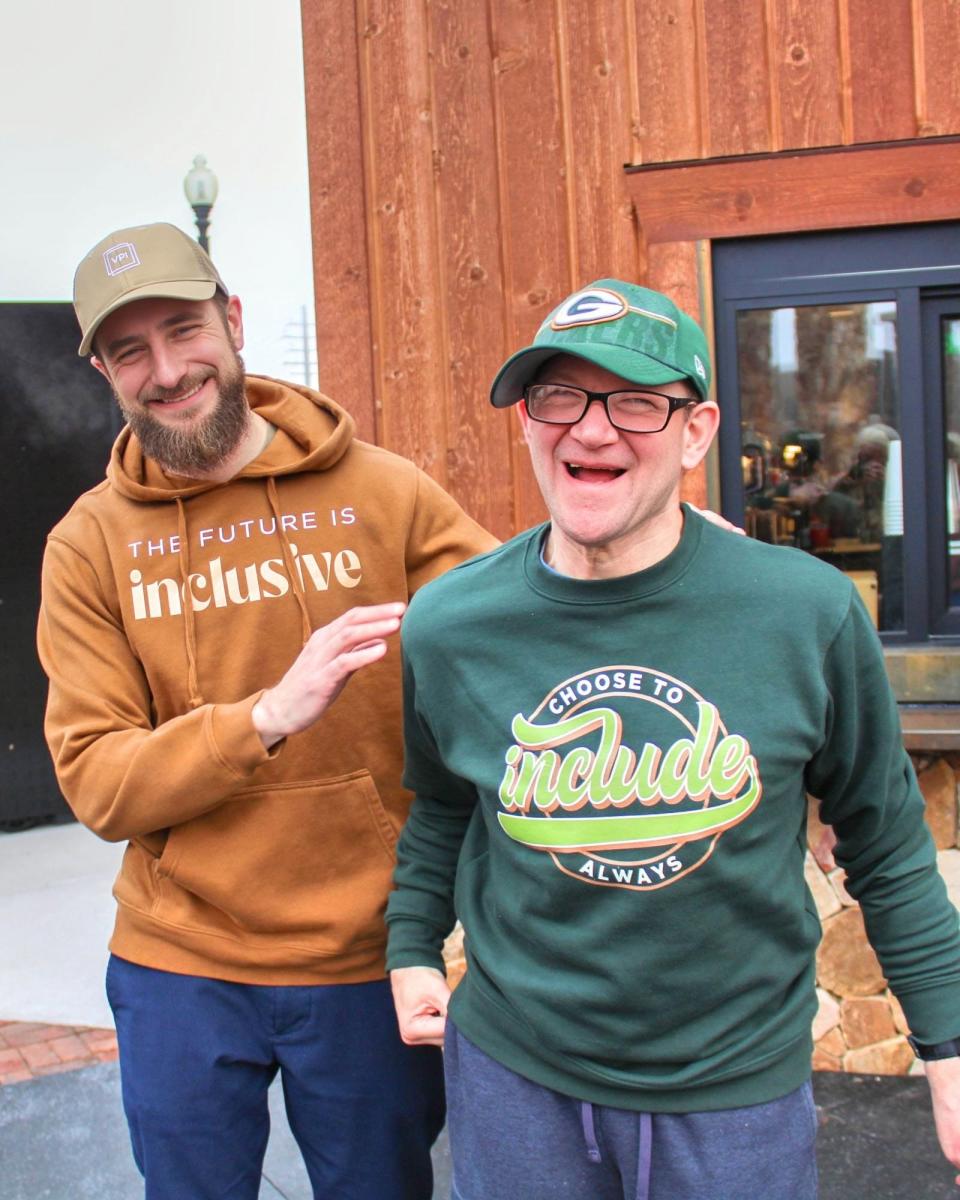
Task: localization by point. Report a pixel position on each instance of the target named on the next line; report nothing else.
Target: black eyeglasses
(638, 411)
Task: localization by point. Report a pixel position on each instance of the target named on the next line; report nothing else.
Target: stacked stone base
(859, 1026)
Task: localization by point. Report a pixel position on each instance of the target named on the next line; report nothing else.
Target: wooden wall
(467, 171)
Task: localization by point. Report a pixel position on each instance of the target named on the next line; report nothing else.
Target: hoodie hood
(312, 434)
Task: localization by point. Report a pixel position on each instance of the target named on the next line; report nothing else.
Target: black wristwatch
(930, 1053)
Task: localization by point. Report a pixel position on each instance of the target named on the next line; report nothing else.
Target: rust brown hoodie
(168, 606)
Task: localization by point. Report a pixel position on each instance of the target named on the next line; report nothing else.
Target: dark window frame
(918, 268)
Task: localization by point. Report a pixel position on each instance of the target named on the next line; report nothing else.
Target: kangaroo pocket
(310, 863)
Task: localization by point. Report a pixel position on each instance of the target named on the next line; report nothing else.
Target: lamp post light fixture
(200, 186)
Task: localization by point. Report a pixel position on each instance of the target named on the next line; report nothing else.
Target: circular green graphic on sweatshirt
(626, 777)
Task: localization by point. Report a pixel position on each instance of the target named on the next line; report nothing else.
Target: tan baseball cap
(136, 264)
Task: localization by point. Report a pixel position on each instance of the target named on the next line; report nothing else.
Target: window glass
(820, 440)
(950, 343)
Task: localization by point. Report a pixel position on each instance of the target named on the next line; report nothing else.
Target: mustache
(188, 383)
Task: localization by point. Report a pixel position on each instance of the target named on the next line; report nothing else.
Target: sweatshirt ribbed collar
(568, 590)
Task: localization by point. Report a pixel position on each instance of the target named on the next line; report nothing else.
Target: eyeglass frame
(675, 403)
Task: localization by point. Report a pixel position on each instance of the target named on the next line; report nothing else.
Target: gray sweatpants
(511, 1139)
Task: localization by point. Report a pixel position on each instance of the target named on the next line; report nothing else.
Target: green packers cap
(136, 264)
(637, 334)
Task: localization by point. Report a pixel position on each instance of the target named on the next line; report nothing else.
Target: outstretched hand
(322, 668)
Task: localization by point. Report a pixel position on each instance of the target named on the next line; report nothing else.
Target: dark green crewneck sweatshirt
(611, 781)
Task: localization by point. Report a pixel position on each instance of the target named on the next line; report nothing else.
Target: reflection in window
(950, 342)
(820, 438)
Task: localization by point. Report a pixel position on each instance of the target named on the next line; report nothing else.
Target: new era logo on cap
(121, 258)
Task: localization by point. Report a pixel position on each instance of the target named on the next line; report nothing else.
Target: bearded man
(202, 610)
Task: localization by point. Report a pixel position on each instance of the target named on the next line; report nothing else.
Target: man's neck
(624, 556)
(257, 436)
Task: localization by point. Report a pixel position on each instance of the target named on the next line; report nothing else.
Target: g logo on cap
(589, 308)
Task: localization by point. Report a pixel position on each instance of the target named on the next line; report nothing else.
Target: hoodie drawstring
(195, 699)
(644, 1144)
(195, 696)
(296, 583)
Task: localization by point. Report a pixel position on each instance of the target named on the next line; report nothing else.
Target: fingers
(349, 631)
(717, 520)
(332, 654)
(420, 995)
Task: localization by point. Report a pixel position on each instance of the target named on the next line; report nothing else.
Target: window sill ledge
(927, 675)
(930, 726)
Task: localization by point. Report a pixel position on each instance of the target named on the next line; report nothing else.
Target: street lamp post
(200, 187)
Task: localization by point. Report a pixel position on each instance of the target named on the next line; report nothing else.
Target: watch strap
(930, 1052)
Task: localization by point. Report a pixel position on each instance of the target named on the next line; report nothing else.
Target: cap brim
(632, 365)
(175, 289)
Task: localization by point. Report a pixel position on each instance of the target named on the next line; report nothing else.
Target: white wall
(104, 106)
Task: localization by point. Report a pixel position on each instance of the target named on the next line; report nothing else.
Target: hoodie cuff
(235, 740)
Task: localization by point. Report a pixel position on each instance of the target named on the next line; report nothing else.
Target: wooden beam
(841, 187)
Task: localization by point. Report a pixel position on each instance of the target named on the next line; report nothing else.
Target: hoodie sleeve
(122, 774)
(441, 535)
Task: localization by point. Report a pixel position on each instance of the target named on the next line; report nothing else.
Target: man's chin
(198, 439)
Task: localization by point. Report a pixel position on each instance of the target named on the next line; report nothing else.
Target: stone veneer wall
(859, 1025)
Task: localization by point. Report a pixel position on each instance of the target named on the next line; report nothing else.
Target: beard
(198, 444)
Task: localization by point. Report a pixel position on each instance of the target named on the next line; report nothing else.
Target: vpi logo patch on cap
(120, 258)
(589, 308)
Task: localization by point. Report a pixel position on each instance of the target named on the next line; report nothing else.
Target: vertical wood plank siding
(470, 261)
(937, 46)
(338, 209)
(466, 168)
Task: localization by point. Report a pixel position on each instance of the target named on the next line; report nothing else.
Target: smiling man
(612, 724)
(244, 560)
(193, 421)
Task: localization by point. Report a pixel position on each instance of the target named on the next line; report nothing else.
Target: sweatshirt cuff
(933, 1013)
(235, 740)
(411, 944)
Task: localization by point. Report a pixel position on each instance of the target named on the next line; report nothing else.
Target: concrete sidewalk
(63, 1136)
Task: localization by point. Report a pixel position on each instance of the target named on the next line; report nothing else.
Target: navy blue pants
(511, 1139)
(197, 1056)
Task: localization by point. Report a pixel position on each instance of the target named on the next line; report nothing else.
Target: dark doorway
(59, 423)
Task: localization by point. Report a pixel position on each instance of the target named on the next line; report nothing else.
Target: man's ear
(699, 430)
(523, 417)
(235, 321)
(96, 363)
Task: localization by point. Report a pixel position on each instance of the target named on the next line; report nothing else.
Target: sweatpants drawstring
(644, 1144)
(589, 1131)
(645, 1139)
